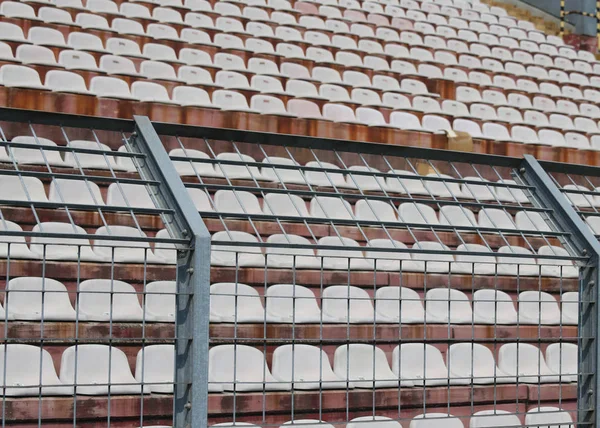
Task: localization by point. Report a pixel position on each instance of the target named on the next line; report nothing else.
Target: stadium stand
(350, 285)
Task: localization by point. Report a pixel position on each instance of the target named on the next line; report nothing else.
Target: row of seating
(86, 370)
(35, 298)
(287, 303)
(79, 249)
(537, 416)
(516, 260)
(243, 368)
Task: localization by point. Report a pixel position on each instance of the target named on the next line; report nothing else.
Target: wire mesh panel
(355, 288)
(90, 283)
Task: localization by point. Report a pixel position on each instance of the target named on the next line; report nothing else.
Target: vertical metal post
(562, 18)
(193, 277)
(585, 244)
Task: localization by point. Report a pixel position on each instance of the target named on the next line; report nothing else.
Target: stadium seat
(14, 246)
(538, 308)
(287, 257)
(515, 265)
(447, 305)
(474, 363)
(494, 418)
(410, 212)
(433, 420)
(232, 256)
(496, 218)
(389, 260)
(76, 159)
(26, 367)
(191, 167)
(122, 250)
(457, 216)
(241, 368)
(159, 303)
(154, 368)
(30, 156)
(557, 267)
(348, 304)
(238, 172)
(235, 302)
(342, 259)
(98, 370)
(421, 364)
(475, 264)
(108, 300)
(526, 362)
(236, 202)
(562, 359)
(365, 366)
(306, 367)
(58, 248)
(288, 303)
(570, 308)
(373, 421)
(399, 304)
(431, 262)
(284, 204)
(35, 298)
(331, 208)
(23, 188)
(548, 416)
(493, 307)
(128, 195)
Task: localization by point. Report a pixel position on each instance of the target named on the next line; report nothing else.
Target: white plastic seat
(374, 421)
(494, 418)
(235, 303)
(562, 359)
(389, 260)
(92, 21)
(484, 264)
(515, 265)
(19, 188)
(306, 367)
(496, 218)
(250, 374)
(35, 298)
(569, 308)
(442, 189)
(480, 192)
(57, 248)
(238, 172)
(538, 308)
(411, 212)
(399, 304)
(447, 305)
(323, 178)
(98, 369)
(457, 216)
(474, 363)
(106, 300)
(468, 126)
(193, 168)
(27, 367)
(110, 87)
(289, 257)
(150, 91)
(289, 303)
(548, 416)
(159, 304)
(557, 267)
(14, 247)
(420, 364)
(493, 307)
(331, 208)
(129, 195)
(282, 175)
(75, 192)
(223, 255)
(526, 362)
(366, 366)
(434, 262)
(342, 259)
(32, 54)
(155, 368)
(12, 9)
(123, 251)
(347, 304)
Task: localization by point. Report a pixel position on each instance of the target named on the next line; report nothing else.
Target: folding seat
(128, 195)
(563, 268)
(468, 95)
(529, 46)
(29, 371)
(496, 218)
(347, 304)
(34, 298)
(431, 262)
(538, 72)
(342, 259)
(529, 220)
(487, 39)
(91, 21)
(417, 16)
(199, 20)
(326, 179)
(419, 363)
(330, 12)
(47, 37)
(75, 192)
(494, 418)
(479, 78)
(570, 307)
(280, 4)
(13, 9)
(502, 54)
(365, 366)
(468, 126)
(235, 303)
(108, 300)
(32, 54)
(98, 370)
(509, 194)
(526, 362)
(447, 305)
(538, 308)
(247, 256)
(237, 202)
(548, 416)
(474, 363)
(241, 368)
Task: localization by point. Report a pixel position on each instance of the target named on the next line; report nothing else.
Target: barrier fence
(348, 283)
